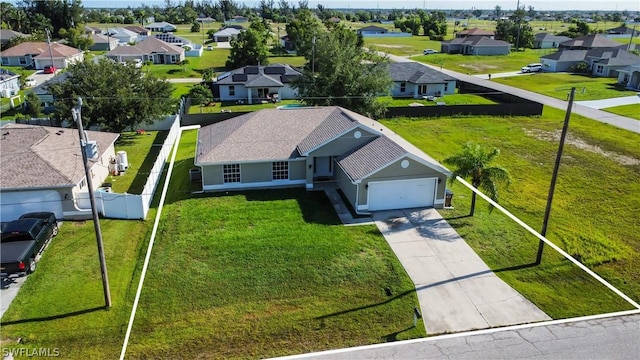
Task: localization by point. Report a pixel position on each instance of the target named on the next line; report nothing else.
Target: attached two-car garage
(15, 203)
(400, 194)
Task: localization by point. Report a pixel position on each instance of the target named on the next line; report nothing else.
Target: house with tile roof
(475, 45)
(416, 80)
(590, 42)
(548, 41)
(44, 169)
(39, 55)
(375, 168)
(254, 84)
(149, 49)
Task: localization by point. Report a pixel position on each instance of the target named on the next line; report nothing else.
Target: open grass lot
(234, 107)
(558, 85)
(264, 273)
(632, 111)
(468, 64)
(402, 46)
(453, 99)
(594, 215)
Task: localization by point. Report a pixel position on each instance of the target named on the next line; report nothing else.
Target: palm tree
(473, 162)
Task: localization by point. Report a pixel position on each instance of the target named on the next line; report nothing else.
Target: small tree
(473, 162)
(33, 105)
(195, 27)
(199, 94)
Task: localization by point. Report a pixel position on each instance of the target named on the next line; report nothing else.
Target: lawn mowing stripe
(150, 247)
(554, 246)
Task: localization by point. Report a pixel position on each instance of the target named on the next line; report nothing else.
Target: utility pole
(76, 112)
(518, 23)
(631, 38)
(50, 52)
(554, 177)
(313, 55)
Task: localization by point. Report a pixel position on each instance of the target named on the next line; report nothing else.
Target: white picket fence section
(130, 206)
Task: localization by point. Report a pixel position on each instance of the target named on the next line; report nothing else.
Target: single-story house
(205, 19)
(39, 55)
(123, 35)
(258, 83)
(603, 62)
(239, 19)
(372, 30)
(548, 41)
(375, 168)
(590, 42)
(622, 31)
(6, 35)
(9, 83)
(142, 32)
(173, 40)
(149, 49)
(413, 79)
(92, 30)
(161, 27)
(44, 170)
(287, 44)
(475, 32)
(226, 34)
(103, 42)
(475, 45)
(630, 77)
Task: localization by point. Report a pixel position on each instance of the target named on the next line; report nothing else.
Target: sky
(619, 5)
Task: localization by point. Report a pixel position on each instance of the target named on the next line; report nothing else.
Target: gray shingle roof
(338, 122)
(44, 157)
(613, 57)
(370, 157)
(259, 76)
(551, 37)
(416, 73)
(566, 55)
(590, 42)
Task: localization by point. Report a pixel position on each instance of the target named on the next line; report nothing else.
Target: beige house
(375, 168)
(40, 54)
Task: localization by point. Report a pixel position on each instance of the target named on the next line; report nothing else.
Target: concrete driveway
(40, 77)
(457, 291)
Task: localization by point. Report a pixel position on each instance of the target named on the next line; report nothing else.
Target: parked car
(30, 82)
(532, 68)
(49, 69)
(21, 243)
(47, 216)
(429, 51)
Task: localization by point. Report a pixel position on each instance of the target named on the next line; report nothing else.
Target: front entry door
(323, 166)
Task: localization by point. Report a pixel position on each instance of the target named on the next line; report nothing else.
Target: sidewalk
(457, 291)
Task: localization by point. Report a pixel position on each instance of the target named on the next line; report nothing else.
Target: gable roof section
(120, 32)
(551, 37)
(40, 48)
(476, 32)
(6, 34)
(137, 29)
(370, 157)
(228, 31)
(172, 39)
(373, 28)
(147, 46)
(337, 123)
(476, 41)
(44, 157)
(160, 25)
(566, 55)
(590, 42)
(613, 57)
(260, 76)
(416, 73)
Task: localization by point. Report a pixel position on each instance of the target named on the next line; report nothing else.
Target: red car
(49, 69)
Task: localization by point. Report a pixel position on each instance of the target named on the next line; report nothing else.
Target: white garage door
(401, 194)
(15, 203)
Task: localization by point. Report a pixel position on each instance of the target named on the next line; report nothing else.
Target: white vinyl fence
(130, 206)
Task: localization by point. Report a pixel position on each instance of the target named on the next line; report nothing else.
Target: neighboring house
(239, 19)
(92, 30)
(6, 35)
(9, 83)
(173, 40)
(142, 32)
(600, 62)
(123, 35)
(44, 170)
(372, 30)
(548, 41)
(226, 34)
(622, 31)
(475, 32)
(630, 77)
(413, 79)
(39, 55)
(373, 167)
(590, 42)
(161, 27)
(149, 49)
(103, 42)
(475, 45)
(205, 20)
(258, 83)
(287, 44)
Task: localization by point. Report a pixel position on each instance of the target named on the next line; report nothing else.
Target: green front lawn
(468, 64)
(594, 215)
(632, 111)
(453, 99)
(558, 85)
(258, 274)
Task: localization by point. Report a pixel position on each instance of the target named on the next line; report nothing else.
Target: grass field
(453, 99)
(265, 273)
(558, 85)
(469, 64)
(632, 111)
(593, 216)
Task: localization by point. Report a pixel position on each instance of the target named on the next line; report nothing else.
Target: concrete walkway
(602, 104)
(457, 291)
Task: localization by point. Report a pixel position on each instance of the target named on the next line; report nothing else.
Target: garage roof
(44, 157)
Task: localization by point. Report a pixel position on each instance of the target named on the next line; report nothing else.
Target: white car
(30, 82)
(429, 51)
(532, 68)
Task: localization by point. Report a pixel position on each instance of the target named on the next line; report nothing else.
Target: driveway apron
(457, 291)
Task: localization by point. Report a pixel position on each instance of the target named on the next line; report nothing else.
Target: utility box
(448, 196)
(91, 149)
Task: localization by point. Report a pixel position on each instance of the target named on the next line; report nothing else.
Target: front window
(231, 173)
(446, 87)
(599, 69)
(403, 87)
(232, 90)
(422, 89)
(280, 170)
(23, 60)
